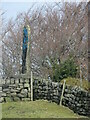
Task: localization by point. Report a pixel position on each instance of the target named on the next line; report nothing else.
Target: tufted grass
(36, 109)
(76, 82)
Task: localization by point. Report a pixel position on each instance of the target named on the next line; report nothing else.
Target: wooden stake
(80, 77)
(31, 86)
(62, 92)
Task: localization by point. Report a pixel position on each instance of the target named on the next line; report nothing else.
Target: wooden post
(0, 111)
(62, 92)
(80, 77)
(31, 86)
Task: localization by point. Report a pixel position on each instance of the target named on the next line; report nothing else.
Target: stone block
(76, 102)
(7, 81)
(5, 90)
(20, 95)
(25, 94)
(16, 99)
(84, 102)
(26, 80)
(16, 81)
(43, 84)
(29, 89)
(3, 94)
(88, 95)
(12, 81)
(26, 85)
(18, 89)
(13, 94)
(21, 80)
(1, 99)
(80, 102)
(2, 81)
(78, 105)
(8, 94)
(20, 85)
(77, 98)
(13, 90)
(81, 109)
(12, 85)
(24, 91)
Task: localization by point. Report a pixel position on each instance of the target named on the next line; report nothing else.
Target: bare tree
(56, 32)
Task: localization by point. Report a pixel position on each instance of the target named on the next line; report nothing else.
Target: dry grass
(76, 82)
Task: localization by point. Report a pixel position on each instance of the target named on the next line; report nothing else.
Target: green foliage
(65, 69)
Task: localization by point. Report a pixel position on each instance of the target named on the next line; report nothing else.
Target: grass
(36, 109)
(76, 82)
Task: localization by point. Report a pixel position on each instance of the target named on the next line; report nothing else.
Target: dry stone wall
(15, 89)
(47, 90)
(77, 99)
(20, 89)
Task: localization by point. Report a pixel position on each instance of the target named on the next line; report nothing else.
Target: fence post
(62, 92)
(80, 76)
(31, 86)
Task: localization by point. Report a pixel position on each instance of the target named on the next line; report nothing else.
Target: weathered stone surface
(14, 90)
(8, 81)
(16, 81)
(12, 81)
(20, 95)
(5, 90)
(12, 85)
(26, 85)
(26, 80)
(18, 89)
(2, 81)
(13, 94)
(1, 99)
(16, 99)
(22, 80)
(29, 89)
(24, 90)
(3, 94)
(20, 85)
